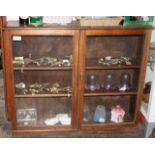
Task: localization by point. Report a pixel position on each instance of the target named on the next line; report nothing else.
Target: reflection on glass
(86, 114)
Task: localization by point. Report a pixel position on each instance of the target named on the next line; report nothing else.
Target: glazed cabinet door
(41, 78)
(112, 68)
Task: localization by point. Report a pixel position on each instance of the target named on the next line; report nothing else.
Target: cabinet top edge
(74, 26)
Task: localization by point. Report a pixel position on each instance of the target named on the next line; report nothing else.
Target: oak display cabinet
(42, 97)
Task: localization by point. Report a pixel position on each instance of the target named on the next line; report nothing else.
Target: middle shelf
(70, 95)
(45, 83)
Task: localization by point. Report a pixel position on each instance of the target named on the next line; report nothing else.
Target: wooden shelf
(42, 95)
(110, 94)
(112, 67)
(41, 68)
(92, 64)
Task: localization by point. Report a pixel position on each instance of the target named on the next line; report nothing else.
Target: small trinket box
(27, 116)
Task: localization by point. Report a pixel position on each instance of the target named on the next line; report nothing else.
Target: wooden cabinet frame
(79, 52)
(9, 71)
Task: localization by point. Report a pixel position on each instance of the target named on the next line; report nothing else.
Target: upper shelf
(92, 64)
(74, 25)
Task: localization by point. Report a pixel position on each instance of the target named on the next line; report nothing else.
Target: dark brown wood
(8, 79)
(74, 25)
(4, 21)
(43, 95)
(87, 45)
(45, 68)
(110, 94)
(129, 128)
(81, 75)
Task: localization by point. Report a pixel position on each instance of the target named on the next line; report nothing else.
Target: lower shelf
(104, 110)
(127, 119)
(55, 111)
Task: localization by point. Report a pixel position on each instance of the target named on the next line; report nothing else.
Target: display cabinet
(72, 78)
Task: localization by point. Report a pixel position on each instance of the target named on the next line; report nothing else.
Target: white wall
(12, 17)
(153, 34)
(151, 106)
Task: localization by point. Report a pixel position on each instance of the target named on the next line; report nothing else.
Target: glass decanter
(125, 82)
(108, 84)
(91, 83)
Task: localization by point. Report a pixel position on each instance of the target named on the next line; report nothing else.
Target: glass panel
(43, 111)
(111, 78)
(113, 50)
(108, 109)
(43, 79)
(42, 51)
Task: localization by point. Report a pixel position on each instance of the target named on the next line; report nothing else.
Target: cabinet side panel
(9, 91)
(146, 46)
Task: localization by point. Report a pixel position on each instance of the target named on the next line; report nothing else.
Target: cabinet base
(70, 133)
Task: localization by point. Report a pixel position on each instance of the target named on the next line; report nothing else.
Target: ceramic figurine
(117, 114)
(21, 85)
(52, 121)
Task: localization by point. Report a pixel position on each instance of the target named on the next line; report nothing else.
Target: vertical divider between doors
(75, 79)
(81, 75)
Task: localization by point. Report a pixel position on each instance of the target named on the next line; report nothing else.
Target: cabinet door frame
(82, 54)
(9, 79)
